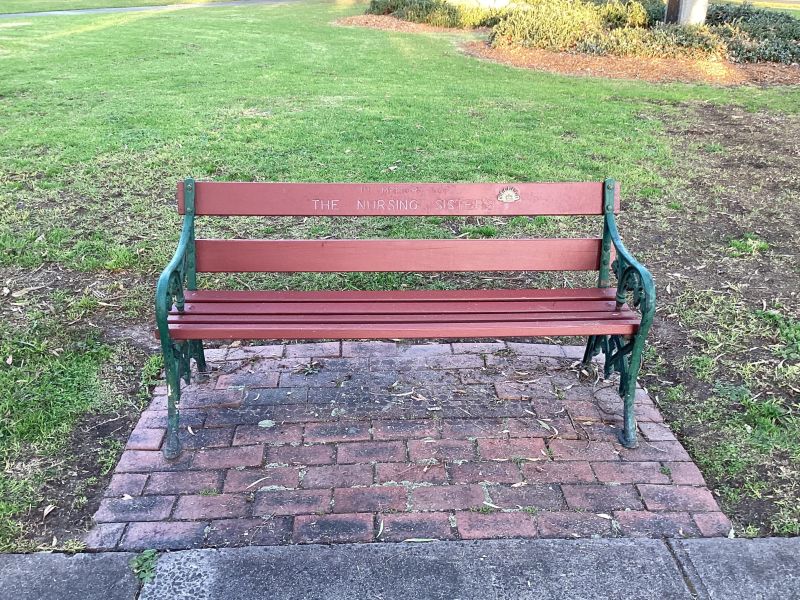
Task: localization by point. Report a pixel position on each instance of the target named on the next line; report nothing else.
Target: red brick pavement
(377, 441)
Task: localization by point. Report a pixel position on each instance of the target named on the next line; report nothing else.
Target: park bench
(614, 316)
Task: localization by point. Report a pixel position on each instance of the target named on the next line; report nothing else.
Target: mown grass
(102, 114)
(21, 6)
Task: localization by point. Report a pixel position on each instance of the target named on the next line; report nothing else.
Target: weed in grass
(108, 454)
(480, 231)
(748, 245)
(714, 147)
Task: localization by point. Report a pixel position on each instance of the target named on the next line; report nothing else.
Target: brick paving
(376, 441)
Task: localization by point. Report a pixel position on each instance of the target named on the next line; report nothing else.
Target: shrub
(755, 34)
(623, 14)
(662, 41)
(548, 24)
(439, 13)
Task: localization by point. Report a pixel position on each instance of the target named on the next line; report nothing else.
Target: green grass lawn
(20, 6)
(101, 115)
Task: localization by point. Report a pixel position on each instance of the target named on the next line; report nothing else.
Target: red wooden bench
(613, 323)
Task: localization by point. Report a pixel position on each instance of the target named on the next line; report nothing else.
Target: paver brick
(324, 529)
(131, 484)
(403, 362)
(248, 379)
(104, 536)
(404, 526)
(137, 508)
(316, 350)
(206, 438)
(547, 471)
(225, 458)
(251, 353)
(441, 450)
(656, 432)
(517, 448)
(157, 419)
(643, 523)
(183, 482)
(629, 472)
(357, 452)
(680, 497)
(582, 450)
(683, 473)
(209, 398)
(473, 428)
(601, 497)
(661, 451)
(474, 525)
(550, 350)
(478, 348)
(252, 480)
(712, 524)
(170, 535)
(270, 531)
(292, 502)
(491, 472)
(536, 428)
(542, 497)
(282, 396)
(277, 434)
(411, 473)
(339, 476)
(301, 455)
(341, 431)
(447, 497)
(372, 499)
(572, 525)
(143, 438)
(144, 461)
(360, 349)
(223, 506)
(402, 429)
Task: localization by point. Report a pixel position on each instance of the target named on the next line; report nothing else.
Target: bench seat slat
(411, 308)
(492, 329)
(399, 295)
(333, 256)
(400, 318)
(419, 314)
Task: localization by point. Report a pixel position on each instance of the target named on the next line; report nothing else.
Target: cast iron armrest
(175, 278)
(633, 278)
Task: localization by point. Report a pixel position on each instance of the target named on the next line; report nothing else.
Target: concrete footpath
(480, 570)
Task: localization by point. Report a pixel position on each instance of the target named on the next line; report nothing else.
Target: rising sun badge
(508, 195)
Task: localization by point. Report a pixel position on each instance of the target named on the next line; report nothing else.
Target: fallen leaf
(266, 423)
(47, 510)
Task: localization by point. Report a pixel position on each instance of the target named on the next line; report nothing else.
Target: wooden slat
(388, 308)
(395, 199)
(218, 256)
(504, 329)
(198, 296)
(222, 319)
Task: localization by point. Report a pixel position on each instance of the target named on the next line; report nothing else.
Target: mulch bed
(656, 70)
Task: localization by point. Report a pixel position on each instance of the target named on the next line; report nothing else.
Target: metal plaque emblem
(508, 195)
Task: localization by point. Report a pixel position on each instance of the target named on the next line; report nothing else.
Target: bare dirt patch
(737, 179)
(656, 70)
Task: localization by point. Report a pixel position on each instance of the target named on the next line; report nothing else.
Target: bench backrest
(401, 199)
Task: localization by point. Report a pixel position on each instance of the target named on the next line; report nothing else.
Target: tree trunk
(673, 7)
